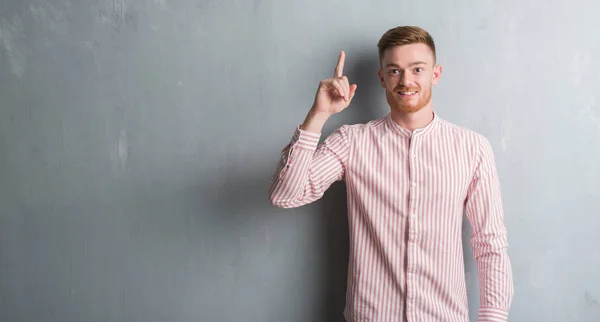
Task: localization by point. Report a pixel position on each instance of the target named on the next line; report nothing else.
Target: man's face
(408, 73)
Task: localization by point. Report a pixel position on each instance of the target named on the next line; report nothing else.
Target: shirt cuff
(306, 140)
(492, 314)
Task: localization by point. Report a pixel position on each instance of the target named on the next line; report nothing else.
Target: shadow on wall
(235, 196)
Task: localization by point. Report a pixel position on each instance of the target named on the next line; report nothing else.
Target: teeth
(408, 93)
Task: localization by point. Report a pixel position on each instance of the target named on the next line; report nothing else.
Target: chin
(408, 109)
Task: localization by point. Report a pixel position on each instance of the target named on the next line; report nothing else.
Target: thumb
(352, 91)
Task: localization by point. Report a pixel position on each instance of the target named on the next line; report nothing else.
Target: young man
(409, 176)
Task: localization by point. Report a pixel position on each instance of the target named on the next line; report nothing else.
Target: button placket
(412, 232)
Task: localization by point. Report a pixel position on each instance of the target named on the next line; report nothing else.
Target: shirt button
(414, 184)
(413, 216)
(414, 155)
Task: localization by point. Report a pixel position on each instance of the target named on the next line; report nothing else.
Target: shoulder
(462, 133)
(361, 129)
(477, 144)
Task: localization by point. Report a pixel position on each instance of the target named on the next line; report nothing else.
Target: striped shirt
(407, 193)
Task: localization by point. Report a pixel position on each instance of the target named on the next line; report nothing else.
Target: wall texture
(138, 139)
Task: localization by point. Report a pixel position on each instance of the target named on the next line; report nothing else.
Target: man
(409, 176)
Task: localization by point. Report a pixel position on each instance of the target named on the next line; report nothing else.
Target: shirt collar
(417, 132)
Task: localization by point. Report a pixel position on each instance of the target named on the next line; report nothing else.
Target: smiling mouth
(407, 94)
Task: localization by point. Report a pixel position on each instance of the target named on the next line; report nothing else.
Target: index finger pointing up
(339, 69)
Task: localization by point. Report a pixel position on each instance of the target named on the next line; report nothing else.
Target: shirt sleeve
(306, 169)
(485, 212)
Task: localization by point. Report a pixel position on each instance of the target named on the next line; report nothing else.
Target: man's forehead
(408, 55)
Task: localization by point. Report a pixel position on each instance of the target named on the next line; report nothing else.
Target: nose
(405, 79)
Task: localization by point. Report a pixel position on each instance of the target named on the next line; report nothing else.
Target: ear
(437, 73)
(381, 80)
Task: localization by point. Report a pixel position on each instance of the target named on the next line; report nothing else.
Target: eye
(393, 71)
(418, 70)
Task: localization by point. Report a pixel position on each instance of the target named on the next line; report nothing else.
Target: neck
(413, 121)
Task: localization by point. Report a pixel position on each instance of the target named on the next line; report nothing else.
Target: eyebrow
(410, 65)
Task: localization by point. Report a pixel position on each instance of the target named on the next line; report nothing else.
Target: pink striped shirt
(407, 193)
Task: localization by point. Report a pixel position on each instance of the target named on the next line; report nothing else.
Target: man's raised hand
(334, 94)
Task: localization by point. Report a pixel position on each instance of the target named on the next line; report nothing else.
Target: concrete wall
(138, 139)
